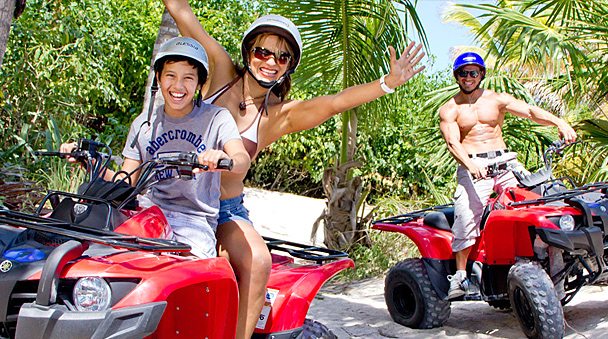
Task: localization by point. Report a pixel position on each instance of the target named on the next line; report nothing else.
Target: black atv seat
(533, 179)
(442, 219)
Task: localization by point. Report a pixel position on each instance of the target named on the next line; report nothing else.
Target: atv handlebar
(189, 159)
(556, 147)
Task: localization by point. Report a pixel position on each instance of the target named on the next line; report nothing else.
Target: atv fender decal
(271, 296)
(24, 255)
(6, 266)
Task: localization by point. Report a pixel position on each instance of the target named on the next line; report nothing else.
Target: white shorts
(194, 231)
(472, 196)
(188, 229)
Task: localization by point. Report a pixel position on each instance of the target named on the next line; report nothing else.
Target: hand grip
(225, 164)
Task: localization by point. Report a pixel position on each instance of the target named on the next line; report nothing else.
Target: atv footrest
(302, 251)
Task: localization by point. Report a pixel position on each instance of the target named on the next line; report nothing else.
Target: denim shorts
(233, 210)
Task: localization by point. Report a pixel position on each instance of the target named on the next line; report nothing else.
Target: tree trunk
(7, 10)
(167, 30)
(342, 229)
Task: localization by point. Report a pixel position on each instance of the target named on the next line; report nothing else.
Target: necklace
(248, 101)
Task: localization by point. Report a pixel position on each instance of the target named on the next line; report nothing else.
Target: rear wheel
(410, 297)
(316, 330)
(535, 302)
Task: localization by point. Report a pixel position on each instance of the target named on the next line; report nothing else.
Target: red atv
(540, 243)
(98, 267)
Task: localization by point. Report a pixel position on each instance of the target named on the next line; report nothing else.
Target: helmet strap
(153, 91)
(269, 84)
(265, 84)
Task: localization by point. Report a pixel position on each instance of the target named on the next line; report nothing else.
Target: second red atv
(539, 244)
(98, 267)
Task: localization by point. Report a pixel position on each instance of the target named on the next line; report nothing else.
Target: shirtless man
(471, 124)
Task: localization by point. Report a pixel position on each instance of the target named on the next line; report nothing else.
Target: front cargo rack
(79, 232)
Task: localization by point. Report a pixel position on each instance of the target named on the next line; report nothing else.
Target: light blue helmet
(184, 47)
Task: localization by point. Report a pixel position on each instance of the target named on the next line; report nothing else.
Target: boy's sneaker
(459, 285)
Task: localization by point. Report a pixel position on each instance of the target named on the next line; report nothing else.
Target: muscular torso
(480, 122)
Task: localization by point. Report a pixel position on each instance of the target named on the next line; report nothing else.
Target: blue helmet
(468, 58)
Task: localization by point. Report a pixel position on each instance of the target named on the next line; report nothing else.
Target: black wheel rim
(524, 311)
(404, 300)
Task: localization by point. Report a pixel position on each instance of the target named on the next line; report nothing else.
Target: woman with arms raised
(256, 94)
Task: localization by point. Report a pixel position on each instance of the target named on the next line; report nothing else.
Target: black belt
(490, 154)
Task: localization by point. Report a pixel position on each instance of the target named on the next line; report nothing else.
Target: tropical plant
(545, 52)
(346, 43)
(82, 64)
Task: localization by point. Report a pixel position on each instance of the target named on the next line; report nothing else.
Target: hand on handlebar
(211, 158)
(477, 172)
(69, 148)
(567, 134)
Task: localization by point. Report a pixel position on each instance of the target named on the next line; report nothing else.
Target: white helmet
(280, 26)
(185, 47)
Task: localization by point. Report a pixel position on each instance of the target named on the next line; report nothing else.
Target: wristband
(383, 85)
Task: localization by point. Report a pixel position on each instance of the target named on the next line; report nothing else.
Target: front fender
(431, 242)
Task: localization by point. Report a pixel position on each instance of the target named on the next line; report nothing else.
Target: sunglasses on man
(463, 74)
(262, 53)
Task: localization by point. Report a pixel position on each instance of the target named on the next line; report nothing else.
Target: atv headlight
(92, 294)
(566, 222)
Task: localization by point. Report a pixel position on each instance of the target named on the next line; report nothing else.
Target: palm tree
(346, 43)
(9, 9)
(167, 30)
(555, 48)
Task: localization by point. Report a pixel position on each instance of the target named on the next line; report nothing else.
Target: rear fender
(291, 289)
(432, 243)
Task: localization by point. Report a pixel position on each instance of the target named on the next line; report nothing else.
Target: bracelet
(383, 85)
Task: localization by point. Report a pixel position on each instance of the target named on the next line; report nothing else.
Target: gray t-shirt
(206, 127)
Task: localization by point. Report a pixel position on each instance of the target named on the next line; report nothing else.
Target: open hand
(403, 69)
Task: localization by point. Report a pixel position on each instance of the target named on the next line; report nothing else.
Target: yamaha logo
(602, 208)
(80, 208)
(6, 266)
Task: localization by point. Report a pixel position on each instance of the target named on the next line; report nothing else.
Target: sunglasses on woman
(463, 74)
(262, 53)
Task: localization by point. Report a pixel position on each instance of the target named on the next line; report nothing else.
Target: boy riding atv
(183, 125)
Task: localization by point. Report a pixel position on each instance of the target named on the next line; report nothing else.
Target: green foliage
(389, 143)
(82, 63)
(227, 20)
(346, 43)
(386, 248)
(595, 166)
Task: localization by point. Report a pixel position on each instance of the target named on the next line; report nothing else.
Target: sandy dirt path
(358, 310)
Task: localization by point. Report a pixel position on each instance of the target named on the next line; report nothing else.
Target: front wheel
(535, 302)
(410, 297)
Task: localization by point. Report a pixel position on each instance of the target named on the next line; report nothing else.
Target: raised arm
(301, 115)
(220, 63)
(540, 116)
